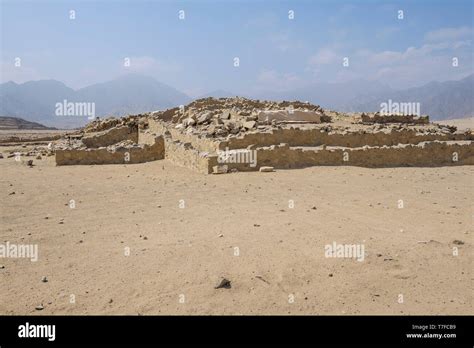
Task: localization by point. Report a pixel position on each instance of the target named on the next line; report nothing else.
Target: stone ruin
(238, 134)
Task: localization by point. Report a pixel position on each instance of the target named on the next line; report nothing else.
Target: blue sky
(196, 55)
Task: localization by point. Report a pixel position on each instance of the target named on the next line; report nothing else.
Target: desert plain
(156, 238)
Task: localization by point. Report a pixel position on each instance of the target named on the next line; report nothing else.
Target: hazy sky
(196, 55)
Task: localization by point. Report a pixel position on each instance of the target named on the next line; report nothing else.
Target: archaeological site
(236, 134)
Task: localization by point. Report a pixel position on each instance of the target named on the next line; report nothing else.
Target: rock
(249, 124)
(266, 169)
(458, 242)
(1, 155)
(189, 122)
(223, 284)
(205, 117)
(225, 115)
(38, 157)
(220, 169)
(221, 132)
(211, 129)
(29, 163)
(39, 307)
(252, 118)
(44, 279)
(2, 266)
(229, 125)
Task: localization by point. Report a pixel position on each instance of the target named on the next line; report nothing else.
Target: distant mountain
(34, 99)
(129, 94)
(133, 93)
(335, 96)
(440, 100)
(19, 123)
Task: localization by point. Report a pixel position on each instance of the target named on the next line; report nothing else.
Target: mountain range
(129, 94)
(133, 93)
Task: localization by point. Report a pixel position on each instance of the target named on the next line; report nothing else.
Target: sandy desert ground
(238, 226)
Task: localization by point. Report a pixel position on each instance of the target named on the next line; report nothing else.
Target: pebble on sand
(223, 284)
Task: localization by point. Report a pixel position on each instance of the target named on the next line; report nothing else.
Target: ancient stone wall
(110, 136)
(184, 155)
(268, 116)
(377, 118)
(199, 143)
(316, 137)
(426, 154)
(138, 153)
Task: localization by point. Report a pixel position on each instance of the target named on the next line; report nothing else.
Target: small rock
(225, 115)
(44, 279)
(330, 274)
(249, 124)
(223, 284)
(458, 242)
(220, 169)
(221, 235)
(189, 122)
(2, 266)
(29, 163)
(39, 307)
(38, 157)
(204, 117)
(266, 169)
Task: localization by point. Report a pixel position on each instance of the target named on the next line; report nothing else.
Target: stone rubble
(283, 134)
